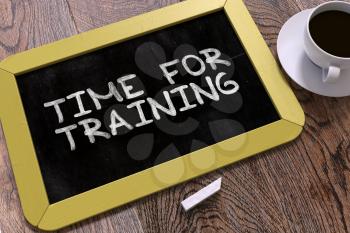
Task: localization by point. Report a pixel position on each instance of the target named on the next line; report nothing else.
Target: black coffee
(331, 32)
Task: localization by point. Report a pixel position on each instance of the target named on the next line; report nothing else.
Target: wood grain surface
(303, 186)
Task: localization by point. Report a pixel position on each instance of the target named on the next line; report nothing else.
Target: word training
(123, 90)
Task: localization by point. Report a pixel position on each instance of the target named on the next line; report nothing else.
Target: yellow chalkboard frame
(36, 207)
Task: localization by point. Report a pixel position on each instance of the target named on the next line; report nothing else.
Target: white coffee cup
(331, 65)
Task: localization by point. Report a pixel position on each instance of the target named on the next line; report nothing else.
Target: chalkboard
(107, 116)
(68, 172)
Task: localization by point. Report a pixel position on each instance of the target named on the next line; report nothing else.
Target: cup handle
(331, 74)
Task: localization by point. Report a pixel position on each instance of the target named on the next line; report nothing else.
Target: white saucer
(290, 49)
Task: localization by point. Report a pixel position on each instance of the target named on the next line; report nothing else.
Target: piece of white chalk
(201, 195)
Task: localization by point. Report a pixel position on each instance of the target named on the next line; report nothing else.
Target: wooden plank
(270, 16)
(124, 219)
(29, 24)
(321, 201)
(90, 14)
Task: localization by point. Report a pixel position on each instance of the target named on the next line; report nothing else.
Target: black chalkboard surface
(72, 162)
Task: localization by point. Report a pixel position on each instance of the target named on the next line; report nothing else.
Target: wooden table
(303, 186)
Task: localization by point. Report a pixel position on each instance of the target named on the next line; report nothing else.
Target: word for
(92, 126)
